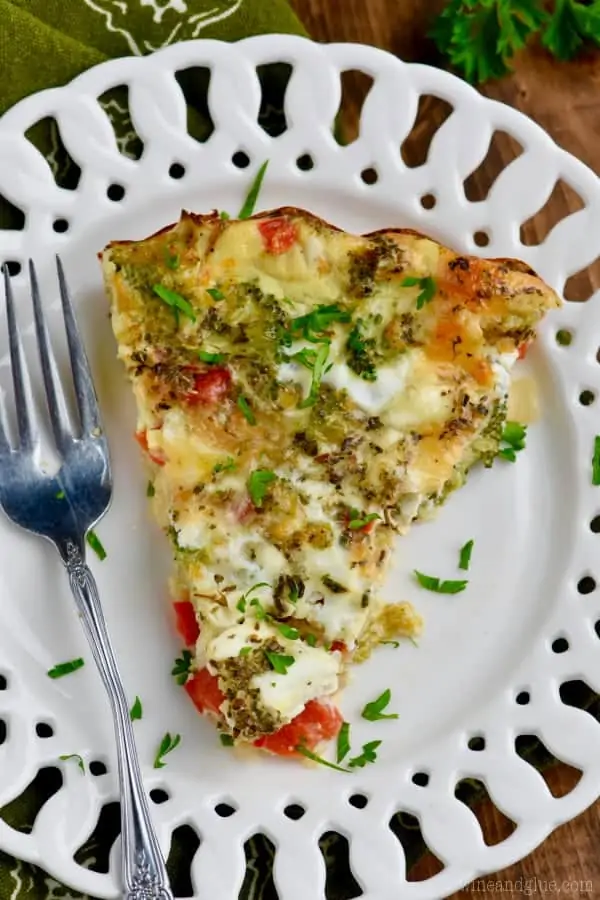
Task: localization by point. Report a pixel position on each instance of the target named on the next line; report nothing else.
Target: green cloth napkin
(44, 43)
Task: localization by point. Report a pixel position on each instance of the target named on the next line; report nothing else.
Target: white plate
(530, 521)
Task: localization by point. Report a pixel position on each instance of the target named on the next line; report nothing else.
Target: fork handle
(144, 872)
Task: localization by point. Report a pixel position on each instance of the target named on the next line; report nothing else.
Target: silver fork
(63, 508)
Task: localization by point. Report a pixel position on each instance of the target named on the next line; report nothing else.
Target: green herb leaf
(245, 651)
(260, 612)
(318, 368)
(357, 523)
(430, 583)
(343, 742)
(66, 668)
(96, 544)
(258, 482)
(360, 350)
(228, 465)
(226, 740)
(246, 410)
(211, 357)
(314, 325)
(150, 491)
(596, 461)
(171, 259)
(182, 667)
(249, 203)
(465, 555)
(167, 744)
(373, 711)
(427, 285)
(224, 215)
(174, 300)
(513, 437)
(311, 640)
(395, 644)
(241, 604)
(368, 755)
(480, 37)
(280, 662)
(304, 751)
(571, 23)
(289, 632)
(135, 712)
(215, 293)
(60, 495)
(76, 756)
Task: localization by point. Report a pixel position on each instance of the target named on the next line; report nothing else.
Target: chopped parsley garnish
(513, 436)
(373, 711)
(76, 756)
(167, 744)
(260, 612)
(430, 583)
(66, 668)
(313, 326)
(174, 300)
(596, 461)
(224, 215)
(465, 555)
(228, 465)
(258, 482)
(171, 259)
(150, 491)
(226, 740)
(182, 667)
(60, 495)
(211, 357)
(311, 640)
(96, 544)
(427, 285)
(135, 712)
(245, 651)
(343, 742)
(249, 203)
(315, 360)
(215, 293)
(304, 751)
(289, 632)
(368, 755)
(246, 409)
(241, 604)
(280, 662)
(395, 644)
(357, 521)
(360, 352)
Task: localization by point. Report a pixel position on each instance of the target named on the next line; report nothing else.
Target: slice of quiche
(303, 395)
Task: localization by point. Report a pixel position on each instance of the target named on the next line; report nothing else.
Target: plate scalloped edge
(312, 100)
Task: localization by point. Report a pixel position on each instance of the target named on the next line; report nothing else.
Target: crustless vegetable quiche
(303, 395)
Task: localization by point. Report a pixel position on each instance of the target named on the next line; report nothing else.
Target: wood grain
(565, 99)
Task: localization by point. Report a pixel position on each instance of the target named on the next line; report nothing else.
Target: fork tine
(4, 445)
(23, 402)
(87, 402)
(54, 393)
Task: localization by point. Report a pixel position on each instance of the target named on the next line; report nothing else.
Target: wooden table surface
(565, 99)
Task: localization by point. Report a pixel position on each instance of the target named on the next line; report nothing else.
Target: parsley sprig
(76, 756)
(182, 667)
(65, 668)
(167, 745)
(373, 711)
(258, 482)
(465, 555)
(431, 583)
(96, 544)
(427, 288)
(175, 301)
(481, 37)
(249, 203)
(135, 713)
(279, 662)
(512, 440)
(596, 462)
(313, 327)
(315, 361)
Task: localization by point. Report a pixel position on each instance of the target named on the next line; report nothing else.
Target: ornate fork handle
(144, 873)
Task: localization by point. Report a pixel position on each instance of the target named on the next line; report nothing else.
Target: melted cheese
(314, 674)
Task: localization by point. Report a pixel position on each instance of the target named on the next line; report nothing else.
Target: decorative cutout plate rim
(312, 100)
